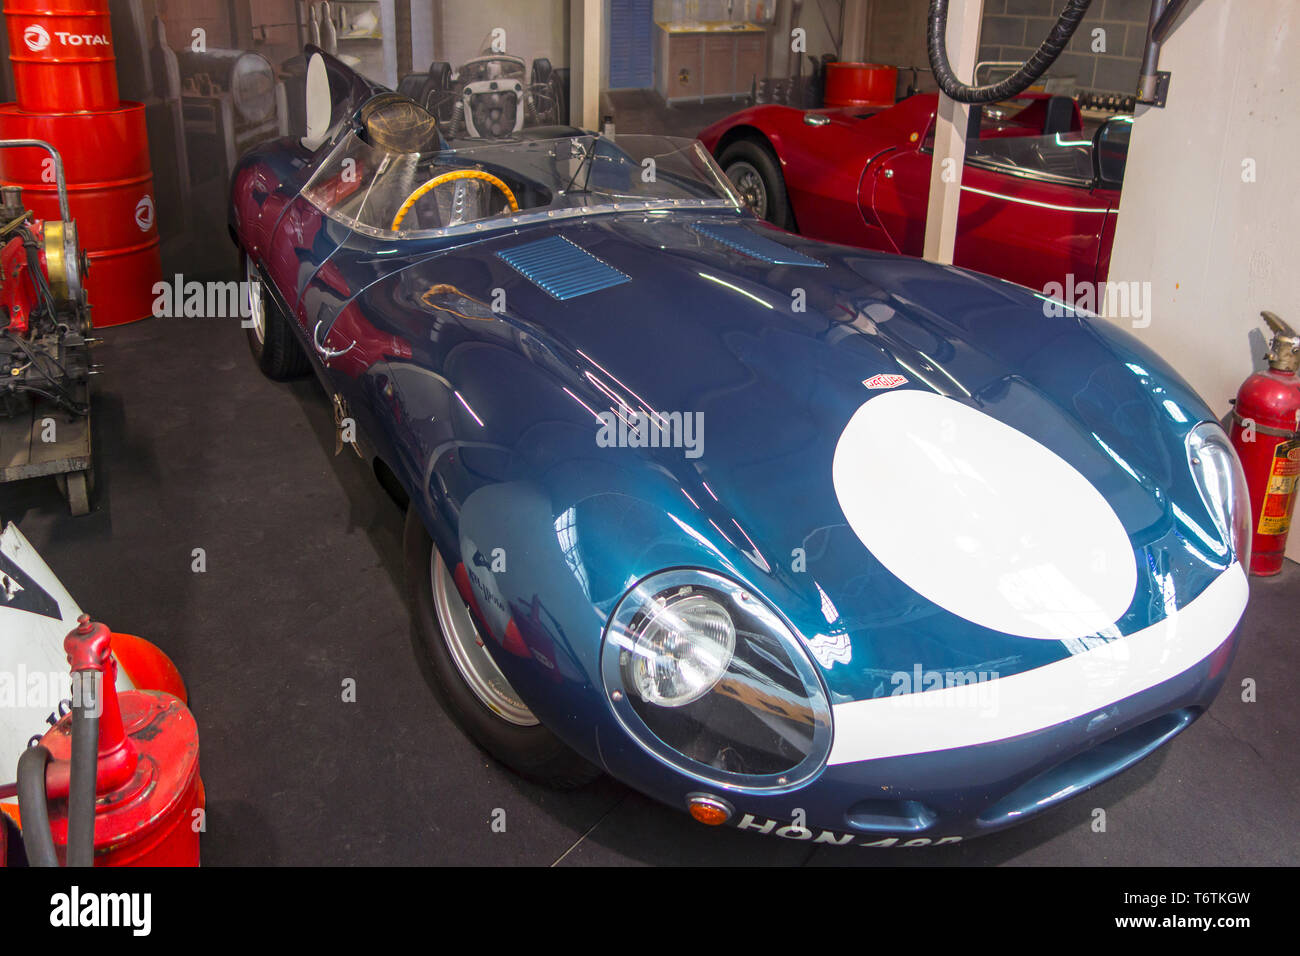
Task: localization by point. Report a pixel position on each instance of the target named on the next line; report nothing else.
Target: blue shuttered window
(631, 54)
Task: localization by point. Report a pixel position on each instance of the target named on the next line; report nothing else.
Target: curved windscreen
(409, 195)
(1061, 157)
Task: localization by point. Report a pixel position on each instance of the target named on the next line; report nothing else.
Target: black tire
(412, 84)
(275, 350)
(560, 94)
(746, 155)
(532, 752)
(541, 71)
(435, 97)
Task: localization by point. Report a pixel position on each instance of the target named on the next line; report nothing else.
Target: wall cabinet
(699, 61)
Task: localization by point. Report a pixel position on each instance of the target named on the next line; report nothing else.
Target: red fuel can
(1265, 434)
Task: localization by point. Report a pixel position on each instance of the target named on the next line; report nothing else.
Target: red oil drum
(860, 84)
(120, 283)
(105, 145)
(62, 54)
(110, 192)
(111, 215)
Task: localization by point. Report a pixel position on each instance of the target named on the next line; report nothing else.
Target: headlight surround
(1220, 479)
(710, 680)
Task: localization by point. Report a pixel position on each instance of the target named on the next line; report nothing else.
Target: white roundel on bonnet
(981, 519)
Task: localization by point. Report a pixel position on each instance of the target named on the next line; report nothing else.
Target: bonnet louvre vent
(560, 268)
(759, 247)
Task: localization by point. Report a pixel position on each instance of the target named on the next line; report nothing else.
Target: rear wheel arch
(742, 131)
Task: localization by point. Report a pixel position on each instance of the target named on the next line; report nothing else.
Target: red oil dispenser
(1265, 433)
(142, 809)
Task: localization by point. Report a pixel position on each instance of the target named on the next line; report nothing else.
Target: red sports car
(1039, 197)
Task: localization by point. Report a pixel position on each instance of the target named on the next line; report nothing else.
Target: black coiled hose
(1017, 82)
(37, 839)
(32, 800)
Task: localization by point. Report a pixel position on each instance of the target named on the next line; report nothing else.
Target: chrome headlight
(709, 679)
(680, 648)
(1222, 483)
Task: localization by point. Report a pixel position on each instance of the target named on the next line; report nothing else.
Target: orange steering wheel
(437, 181)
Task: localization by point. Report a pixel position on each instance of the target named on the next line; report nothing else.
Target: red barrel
(62, 54)
(860, 84)
(91, 144)
(110, 193)
(121, 281)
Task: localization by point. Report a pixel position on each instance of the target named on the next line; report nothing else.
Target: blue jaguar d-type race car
(816, 542)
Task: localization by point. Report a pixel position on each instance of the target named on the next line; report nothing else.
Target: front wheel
(471, 685)
(270, 339)
(756, 173)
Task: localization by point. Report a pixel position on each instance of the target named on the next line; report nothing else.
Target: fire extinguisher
(1266, 434)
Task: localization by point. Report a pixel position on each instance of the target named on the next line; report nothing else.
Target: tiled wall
(1014, 28)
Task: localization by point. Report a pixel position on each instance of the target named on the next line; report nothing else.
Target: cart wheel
(76, 487)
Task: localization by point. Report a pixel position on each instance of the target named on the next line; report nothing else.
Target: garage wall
(1012, 30)
(1216, 247)
(896, 35)
(533, 28)
(819, 37)
(182, 16)
(423, 29)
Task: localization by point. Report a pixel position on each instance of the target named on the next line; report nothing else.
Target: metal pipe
(1165, 25)
(64, 213)
(1148, 78)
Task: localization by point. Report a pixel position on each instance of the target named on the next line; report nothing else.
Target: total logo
(37, 38)
(144, 213)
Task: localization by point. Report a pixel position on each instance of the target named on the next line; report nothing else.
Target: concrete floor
(303, 589)
(644, 111)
